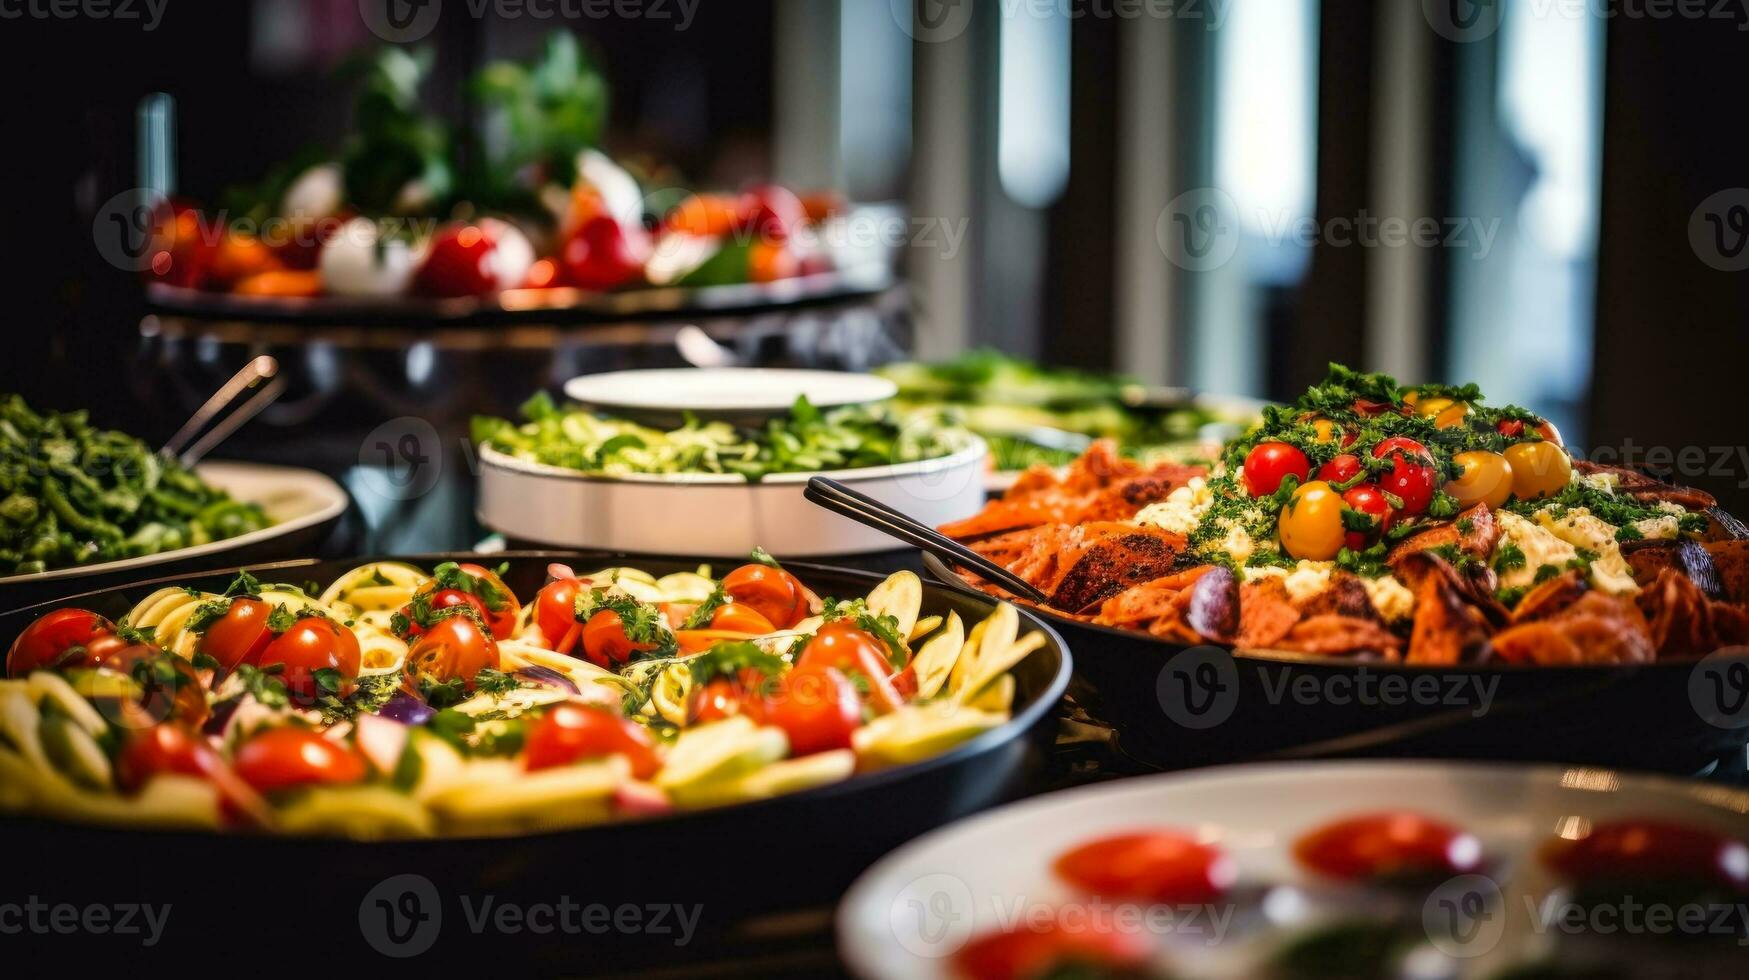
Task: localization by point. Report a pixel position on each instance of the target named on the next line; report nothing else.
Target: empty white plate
(733, 394)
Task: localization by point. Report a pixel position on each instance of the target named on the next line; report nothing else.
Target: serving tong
(865, 510)
(187, 450)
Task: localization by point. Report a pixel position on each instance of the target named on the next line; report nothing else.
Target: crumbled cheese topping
(1182, 510)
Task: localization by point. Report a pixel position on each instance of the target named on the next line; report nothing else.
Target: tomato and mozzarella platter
(398, 702)
(1417, 524)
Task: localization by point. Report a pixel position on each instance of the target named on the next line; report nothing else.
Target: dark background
(1668, 335)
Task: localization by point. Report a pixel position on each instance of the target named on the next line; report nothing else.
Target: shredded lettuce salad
(806, 440)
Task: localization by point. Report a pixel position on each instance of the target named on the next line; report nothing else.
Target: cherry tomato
(817, 708)
(1486, 479)
(771, 214)
(604, 254)
(741, 618)
(280, 758)
(1340, 469)
(459, 263)
(239, 636)
(605, 641)
(1539, 469)
(1629, 851)
(1394, 844)
(445, 599)
(772, 592)
(771, 261)
(57, 640)
(313, 643)
(1547, 430)
(501, 621)
(239, 257)
(183, 245)
(1310, 525)
(1269, 463)
(1411, 476)
(280, 282)
(1368, 499)
(1163, 866)
(1452, 416)
(1510, 428)
(168, 747)
(1093, 943)
(178, 750)
(570, 732)
(555, 608)
(169, 688)
(719, 699)
(844, 647)
(453, 647)
(707, 215)
(1429, 407)
(1325, 430)
(544, 274)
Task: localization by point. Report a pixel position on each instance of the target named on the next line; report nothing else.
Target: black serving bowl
(1175, 706)
(275, 901)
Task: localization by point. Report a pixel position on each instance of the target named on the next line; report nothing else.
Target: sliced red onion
(548, 677)
(406, 709)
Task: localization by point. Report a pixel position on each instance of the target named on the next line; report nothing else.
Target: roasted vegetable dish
(1417, 524)
(806, 440)
(72, 494)
(402, 703)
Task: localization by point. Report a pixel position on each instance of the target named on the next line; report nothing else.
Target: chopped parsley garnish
(642, 622)
(1508, 556)
(450, 575)
(883, 628)
(701, 617)
(367, 697)
(730, 659)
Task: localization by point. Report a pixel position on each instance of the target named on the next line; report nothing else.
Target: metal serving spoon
(865, 510)
(259, 369)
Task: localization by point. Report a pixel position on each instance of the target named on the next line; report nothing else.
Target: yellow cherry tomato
(1411, 397)
(1486, 479)
(1429, 407)
(1451, 416)
(1539, 469)
(1310, 525)
(1325, 430)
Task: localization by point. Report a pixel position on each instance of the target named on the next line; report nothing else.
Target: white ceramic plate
(293, 498)
(909, 913)
(710, 514)
(716, 392)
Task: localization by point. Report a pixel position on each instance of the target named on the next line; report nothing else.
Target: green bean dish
(72, 494)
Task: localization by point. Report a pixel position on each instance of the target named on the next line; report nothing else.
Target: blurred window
(1529, 142)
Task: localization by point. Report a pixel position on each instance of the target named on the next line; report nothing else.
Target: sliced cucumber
(776, 779)
(720, 750)
(48, 686)
(74, 753)
(563, 796)
(359, 812)
(935, 660)
(901, 597)
(920, 731)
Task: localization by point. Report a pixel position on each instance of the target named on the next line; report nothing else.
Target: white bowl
(713, 514)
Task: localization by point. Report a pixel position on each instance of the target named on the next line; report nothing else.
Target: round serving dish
(984, 872)
(303, 504)
(1175, 706)
(517, 306)
(716, 514)
(246, 896)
